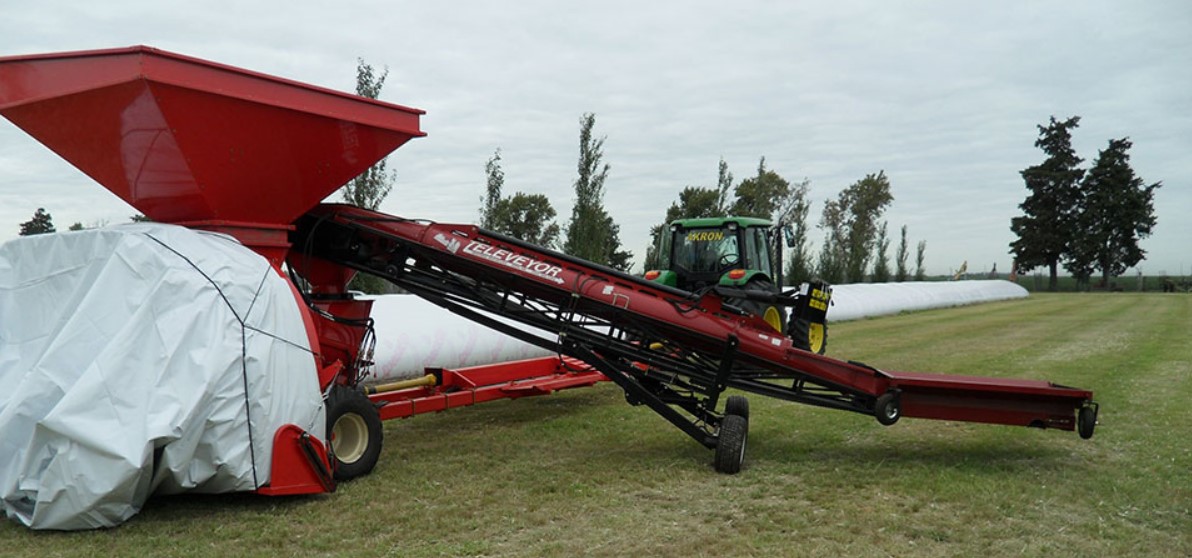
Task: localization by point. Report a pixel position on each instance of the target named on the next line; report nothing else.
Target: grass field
(582, 473)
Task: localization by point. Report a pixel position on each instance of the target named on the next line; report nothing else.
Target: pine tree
(1116, 210)
(1046, 227)
(41, 223)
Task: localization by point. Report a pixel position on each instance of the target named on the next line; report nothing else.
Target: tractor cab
(730, 251)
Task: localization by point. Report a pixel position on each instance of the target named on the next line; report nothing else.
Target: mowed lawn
(582, 473)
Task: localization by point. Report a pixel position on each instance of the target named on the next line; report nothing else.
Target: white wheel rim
(349, 438)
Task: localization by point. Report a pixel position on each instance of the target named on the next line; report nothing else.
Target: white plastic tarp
(864, 300)
(142, 359)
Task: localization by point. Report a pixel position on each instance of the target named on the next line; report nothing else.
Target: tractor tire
(730, 444)
(354, 432)
(887, 409)
(737, 405)
(772, 314)
(811, 337)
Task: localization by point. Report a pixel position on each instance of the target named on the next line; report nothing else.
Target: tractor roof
(720, 221)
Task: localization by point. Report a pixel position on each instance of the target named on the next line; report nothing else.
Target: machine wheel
(773, 315)
(807, 335)
(887, 409)
(1086, 421)
(354, 432)
(737, 405)
(730, 444)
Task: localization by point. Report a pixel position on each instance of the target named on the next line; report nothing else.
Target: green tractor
(732, 256)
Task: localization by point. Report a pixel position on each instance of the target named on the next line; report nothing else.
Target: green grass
(582, 473)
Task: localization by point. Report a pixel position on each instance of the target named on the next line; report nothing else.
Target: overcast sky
(944, 97)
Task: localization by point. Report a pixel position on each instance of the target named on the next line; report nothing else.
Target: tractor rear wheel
(730, 444)
(354, 431)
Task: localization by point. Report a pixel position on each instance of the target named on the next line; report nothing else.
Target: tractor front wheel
(354, 431)
(772, 314)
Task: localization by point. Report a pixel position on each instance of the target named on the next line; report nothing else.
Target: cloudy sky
(943, 96)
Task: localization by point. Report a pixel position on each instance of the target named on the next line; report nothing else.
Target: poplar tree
(592, 234)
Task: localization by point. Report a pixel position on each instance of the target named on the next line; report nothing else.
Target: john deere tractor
(732, 255)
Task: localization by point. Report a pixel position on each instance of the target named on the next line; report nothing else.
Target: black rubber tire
(737, 405)
(757, 307)
(887, 409)
(1086, 422)
(800, 333)
(730, 444)
(359, 427)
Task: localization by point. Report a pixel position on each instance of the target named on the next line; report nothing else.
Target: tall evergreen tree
(1046, 227)
(41, 223)
(1116, 210)
(591, 233)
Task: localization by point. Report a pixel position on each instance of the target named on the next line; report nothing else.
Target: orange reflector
(736, 274)
(652, 274)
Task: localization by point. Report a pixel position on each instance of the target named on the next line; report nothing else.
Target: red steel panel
(481, 384)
